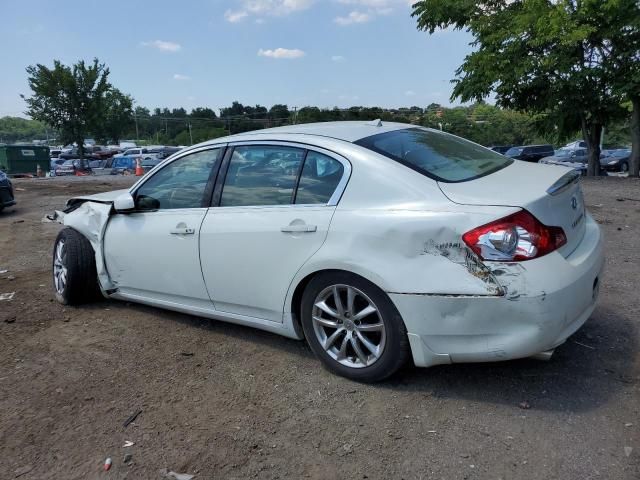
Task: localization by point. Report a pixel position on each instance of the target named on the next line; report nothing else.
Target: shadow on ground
(593, 365)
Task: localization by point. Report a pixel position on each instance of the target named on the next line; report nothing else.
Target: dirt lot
(223, 401)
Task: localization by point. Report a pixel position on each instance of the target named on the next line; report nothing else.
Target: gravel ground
(224, 401)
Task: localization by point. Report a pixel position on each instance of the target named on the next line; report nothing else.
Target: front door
(152, 252)
(274, 212)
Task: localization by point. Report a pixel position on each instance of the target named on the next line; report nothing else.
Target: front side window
(438, 155)
(261, 175)
(319, 178)
(181, 184)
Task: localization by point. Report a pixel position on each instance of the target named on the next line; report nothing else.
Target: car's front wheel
(353, 327)
(75, 280)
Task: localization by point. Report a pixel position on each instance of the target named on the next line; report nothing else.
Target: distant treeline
(482, 123)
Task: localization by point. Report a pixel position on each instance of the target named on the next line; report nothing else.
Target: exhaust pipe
(546, 356)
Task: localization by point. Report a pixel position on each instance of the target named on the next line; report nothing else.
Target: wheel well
(296, 300)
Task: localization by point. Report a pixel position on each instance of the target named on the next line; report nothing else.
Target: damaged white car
(374, 242)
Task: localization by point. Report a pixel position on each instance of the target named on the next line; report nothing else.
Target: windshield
(621, 153)
(514, 151)
(563, 152)
(438, 155)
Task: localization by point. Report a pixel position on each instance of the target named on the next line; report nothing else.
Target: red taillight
(514, 238)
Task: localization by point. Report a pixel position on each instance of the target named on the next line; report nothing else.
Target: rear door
(272, 210)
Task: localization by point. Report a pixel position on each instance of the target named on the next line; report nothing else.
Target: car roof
(347, 131)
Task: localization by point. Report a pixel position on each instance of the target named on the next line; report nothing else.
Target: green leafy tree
(624, 64)
(72, 100)
(545, 57)
(117, 118)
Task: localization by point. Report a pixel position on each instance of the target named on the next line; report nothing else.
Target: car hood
(529, 186)
(104, 197)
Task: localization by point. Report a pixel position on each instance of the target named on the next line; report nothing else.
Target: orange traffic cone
(139, 170)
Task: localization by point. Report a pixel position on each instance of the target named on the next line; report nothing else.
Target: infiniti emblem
(574, 202)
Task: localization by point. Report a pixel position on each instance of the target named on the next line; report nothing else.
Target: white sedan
(374, 242)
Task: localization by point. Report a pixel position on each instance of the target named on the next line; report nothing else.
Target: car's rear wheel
(75, 280)
(353, 327)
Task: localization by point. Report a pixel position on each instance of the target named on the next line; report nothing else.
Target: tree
(117, 118)
(72, 100)
(544, 57)
(624, 63)
(279, 112)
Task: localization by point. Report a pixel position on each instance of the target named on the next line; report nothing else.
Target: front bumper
(546, 301)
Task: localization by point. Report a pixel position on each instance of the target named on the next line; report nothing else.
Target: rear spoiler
(564, 182)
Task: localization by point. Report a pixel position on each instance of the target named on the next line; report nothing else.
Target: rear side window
(319, 179)
(438, 155)
(261, 175)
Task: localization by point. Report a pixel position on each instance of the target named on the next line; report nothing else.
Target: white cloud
(353, 17)
(281, 53)
(163, 46)
(179, 76)
(410, 93)
(272, 8)
(338, 58)
(374, 8)
(234, 17)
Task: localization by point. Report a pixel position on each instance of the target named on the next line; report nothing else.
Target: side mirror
(124, 203)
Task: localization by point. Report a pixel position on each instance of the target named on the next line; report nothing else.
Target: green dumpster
(23, 159)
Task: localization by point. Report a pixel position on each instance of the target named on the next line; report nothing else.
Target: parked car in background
(98, 167)
(149, 163)
(376, 242)
(616, 160)
(501, 149)
(577, 159)
(530, 153)
(123, 166)
(55, 162)
(566, 155)
(102, 153)
(54, 153)
(73, 167)
(166, 152)
(6, 192)
(578, 144)
(75, 153)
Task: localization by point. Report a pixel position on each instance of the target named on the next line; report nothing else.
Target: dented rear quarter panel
(396, 228)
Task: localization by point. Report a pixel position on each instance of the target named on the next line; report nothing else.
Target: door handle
(299, 228)
(183, 231)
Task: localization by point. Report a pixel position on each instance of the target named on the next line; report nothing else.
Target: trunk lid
(551, 193)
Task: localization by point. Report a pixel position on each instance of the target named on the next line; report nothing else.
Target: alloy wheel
(348, 326)
(60, 267)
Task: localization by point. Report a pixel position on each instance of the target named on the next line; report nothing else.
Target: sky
(209, 53)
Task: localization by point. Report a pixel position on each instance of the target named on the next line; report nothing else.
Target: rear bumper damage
(541, 303)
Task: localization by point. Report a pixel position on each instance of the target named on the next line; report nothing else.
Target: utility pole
(295, 115)
(190, 135)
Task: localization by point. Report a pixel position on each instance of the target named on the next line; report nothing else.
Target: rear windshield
(441, 156)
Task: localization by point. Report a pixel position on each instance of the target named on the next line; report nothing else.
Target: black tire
(395, 351)
(81, 280)
(624, 167)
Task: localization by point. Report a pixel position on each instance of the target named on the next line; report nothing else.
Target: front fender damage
(90, 219)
